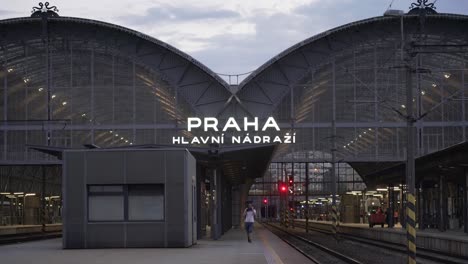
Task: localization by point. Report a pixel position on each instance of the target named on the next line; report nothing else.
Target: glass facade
(87, 82)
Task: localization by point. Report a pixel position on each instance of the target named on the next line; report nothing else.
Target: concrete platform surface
(231, 248)
(23, 229)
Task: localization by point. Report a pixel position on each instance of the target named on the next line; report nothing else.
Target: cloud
(171, 14)
(232, 39)
(7, 13)
(229, 36)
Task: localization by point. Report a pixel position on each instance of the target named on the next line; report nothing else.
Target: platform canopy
(451, 162)
(238, 163)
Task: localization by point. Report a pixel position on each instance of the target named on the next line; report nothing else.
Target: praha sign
(211, 124)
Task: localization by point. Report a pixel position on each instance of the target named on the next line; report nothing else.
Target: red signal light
(265, 200)
(283, 188)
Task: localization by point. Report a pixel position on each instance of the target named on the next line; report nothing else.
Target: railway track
(20, 238)
(421, 253)
(317, 253)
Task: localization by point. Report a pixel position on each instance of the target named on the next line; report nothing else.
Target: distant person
(395, 217)
(249, 219)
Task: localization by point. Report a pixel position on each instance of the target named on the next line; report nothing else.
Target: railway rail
(317, 253)
(437, 257)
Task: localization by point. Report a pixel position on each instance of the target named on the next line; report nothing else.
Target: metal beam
(35, 125)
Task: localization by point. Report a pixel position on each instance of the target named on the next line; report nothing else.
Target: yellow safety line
(267, 248)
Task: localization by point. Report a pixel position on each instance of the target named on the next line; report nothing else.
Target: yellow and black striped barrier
(411, 228)
(334, 219)
(286, 218)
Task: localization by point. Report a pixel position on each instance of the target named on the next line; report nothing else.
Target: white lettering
(277, 140)
(236, 139)
(210, 122)
(195, 140)
(215, 140)
(270, 123)
(247, 124)
(257, 139)
(247, 139)
(231, 123)
(193, 122)
(204, 140)
(175, 140)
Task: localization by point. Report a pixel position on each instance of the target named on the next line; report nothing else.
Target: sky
(228, 36)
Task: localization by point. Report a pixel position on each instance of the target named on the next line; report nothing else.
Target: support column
(134, 110)
(92, 96)
(391, 206)
(333, 152)
(465, 202)
(442, 204)
(402, 206)
(216, 203)
(236, 207)
(420, 205)
(213, 205)
(307, 197)
(43, 200)
(5, 106)
(410, 169)
(293, 198)
(200, 201)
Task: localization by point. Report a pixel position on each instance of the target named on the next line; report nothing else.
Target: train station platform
(232, 248)
(28, 229)
(454, 242)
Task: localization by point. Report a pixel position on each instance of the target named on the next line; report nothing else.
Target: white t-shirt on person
(250, 216)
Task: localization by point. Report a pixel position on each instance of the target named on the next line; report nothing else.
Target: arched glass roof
(108, 86)
(355, 75)
(112, 86)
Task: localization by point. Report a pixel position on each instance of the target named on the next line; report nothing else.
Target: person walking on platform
(249, 219)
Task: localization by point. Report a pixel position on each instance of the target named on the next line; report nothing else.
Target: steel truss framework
(111, 86)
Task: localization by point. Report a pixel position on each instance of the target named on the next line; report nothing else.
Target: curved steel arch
(203, 90)
(290, 67)
(109, 86)
(354, 72)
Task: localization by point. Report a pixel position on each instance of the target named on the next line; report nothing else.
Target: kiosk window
(125, 202)
(145, 202)
(106, 203)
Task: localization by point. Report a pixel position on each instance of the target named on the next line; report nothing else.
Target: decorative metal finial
(422, 6)
(44, 9)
